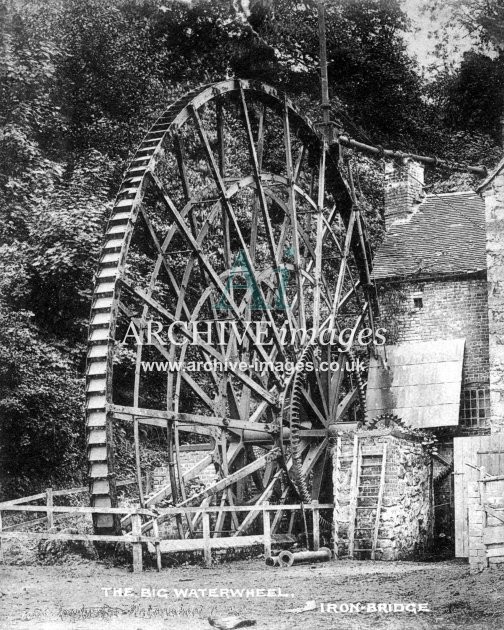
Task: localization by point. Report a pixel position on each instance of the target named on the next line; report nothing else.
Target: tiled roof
(445, 234)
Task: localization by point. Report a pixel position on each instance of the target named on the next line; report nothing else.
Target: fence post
(267, 530)
(316, 525)
(1, 547)
(207, 550)
(136, 530)
(49, 503)
(155, 531)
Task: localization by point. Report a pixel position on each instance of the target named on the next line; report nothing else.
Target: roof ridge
(452, 194)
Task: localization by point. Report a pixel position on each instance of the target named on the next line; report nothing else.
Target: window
(417, 299)
(475, 407)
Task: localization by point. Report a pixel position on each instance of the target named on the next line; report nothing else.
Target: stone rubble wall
(405, 530)
(494, 215)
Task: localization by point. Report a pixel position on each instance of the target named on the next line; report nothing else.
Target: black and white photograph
(251, 314)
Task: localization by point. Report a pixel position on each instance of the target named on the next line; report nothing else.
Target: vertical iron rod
(324, 83)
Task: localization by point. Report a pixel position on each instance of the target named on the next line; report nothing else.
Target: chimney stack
(404, 183)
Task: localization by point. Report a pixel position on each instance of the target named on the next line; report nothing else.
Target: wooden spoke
(314, 408)
(208, 349)
(260, 190)
(232, 217)
(318, 251)
(231, 479)
(210, 270)
(293, 217)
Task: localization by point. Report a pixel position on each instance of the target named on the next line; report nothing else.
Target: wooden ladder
(366, 497)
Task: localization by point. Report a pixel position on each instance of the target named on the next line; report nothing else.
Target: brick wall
(188, 459)
(403, 189)
(450, 309)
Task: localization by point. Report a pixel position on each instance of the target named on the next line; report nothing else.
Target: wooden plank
(379, 502)
(419, 381)
(145, 512)
(266, 530)
(337, 493)
(33, 521)
(155, 531)
(190, 418)
(207, 549)
(198, 544)
(417, 352)
(136, 529)
(495, 552)
(49, 503)
(83, 537)
(33, 497)
(412, 396)
(460, 498)
(493, 535)
(136, 437)
(219, 524)
(316, 525)
(422, 374)
(496, 514)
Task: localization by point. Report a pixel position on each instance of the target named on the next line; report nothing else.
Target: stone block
(475, 532)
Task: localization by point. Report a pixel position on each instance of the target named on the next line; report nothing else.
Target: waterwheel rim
(270, 220)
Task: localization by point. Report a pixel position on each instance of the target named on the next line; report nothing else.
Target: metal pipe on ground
(272, 561)
(287, 558)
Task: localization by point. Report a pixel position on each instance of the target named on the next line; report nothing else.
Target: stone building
(431, 275)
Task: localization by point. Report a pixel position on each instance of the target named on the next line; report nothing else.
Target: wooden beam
(207, 550)
(60, 509)
(316, 525)
(136, 438)
(499, 515)
(155, 531)
(32, 497)
(136, 529)
(190, 418)
(379, 501)
(266, 530)
(49, 503)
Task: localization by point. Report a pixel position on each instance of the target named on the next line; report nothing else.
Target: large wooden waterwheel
(236, 219)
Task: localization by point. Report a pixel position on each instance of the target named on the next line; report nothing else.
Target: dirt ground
(78, 597)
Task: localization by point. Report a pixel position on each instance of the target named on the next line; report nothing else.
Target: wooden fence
(160, 545)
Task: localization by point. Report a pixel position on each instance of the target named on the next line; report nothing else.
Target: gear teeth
(361, 386)
(295, 403)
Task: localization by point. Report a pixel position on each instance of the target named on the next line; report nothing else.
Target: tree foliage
(80, 83)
